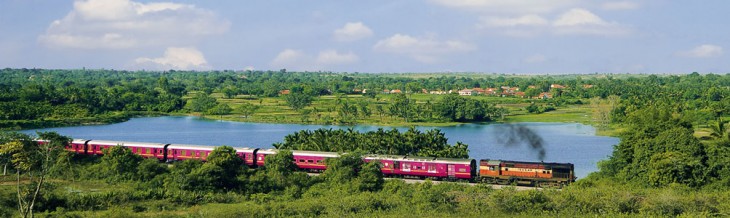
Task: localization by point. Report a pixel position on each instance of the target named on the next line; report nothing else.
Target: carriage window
(491, 168)
(319, 161)
(386, 164)
(260, 158)
(406, 167)
(310, 161)
(462, 170)
(301, 160)
(148, 151)
(431, 168)
(506, 169)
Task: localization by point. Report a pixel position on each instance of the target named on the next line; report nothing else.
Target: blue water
(563, 142)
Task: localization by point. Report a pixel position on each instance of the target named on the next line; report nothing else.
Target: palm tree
(719, 129)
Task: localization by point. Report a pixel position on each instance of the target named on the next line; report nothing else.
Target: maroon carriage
(425, 167)
(312, 161)
(77, 146)
(146, 150)
(178, 152)
(247, 155)
(261, 155)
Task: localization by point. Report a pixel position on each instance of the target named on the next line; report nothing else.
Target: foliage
(247, 109)
(202, 102)
(297, 100)
(431, 143)
(35, 161)
(118, 164)
(658, 149)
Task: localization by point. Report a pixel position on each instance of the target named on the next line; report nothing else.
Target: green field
(275, 110)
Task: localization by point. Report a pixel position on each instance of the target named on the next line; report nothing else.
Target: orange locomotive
(526, 173)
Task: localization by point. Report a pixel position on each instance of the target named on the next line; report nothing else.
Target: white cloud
(527, 20)
(425, 50)
(578, 16)
(352, 32)
(703, 51)
(575, 21)
(290, 58)
(123, 24)
(578, 21)
(508, 6)
(332, 57)
(177, 58)
(620, 5)
(299, 60)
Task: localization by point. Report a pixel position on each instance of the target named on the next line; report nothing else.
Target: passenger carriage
(261, 155)
(425, 167)
(313, 161)
(180, 152)
(146, 150)
(77, 146)
(247, 155)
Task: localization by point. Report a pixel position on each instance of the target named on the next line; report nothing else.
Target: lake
(563, 142)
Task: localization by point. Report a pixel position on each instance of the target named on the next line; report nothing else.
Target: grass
(324, 111)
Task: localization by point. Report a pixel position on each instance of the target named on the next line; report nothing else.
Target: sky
(490, 36)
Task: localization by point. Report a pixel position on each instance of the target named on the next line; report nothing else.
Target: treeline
(431, 143)
(659, 149)
(30, 95)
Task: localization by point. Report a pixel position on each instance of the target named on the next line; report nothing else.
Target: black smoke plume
(517, 135)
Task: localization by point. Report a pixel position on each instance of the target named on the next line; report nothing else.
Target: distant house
(544, 95)
(490, 91)
(395, 91)
(284, 92)
(467, 92)
(364, 91)
(520, 94)
(424, 91)
(386, 91)
(556, 86)
(357, 90)
(532, 87)
(514, 89)
(438, 92)
(479, 91)
(587, 86)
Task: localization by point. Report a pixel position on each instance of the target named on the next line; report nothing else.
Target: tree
(278, 168)
(371, 177)
(221, 169)
(298, 101)
(719, 129)
(220, 109)
(402, 107)
(364, 109)
(344, 168)
(229, 92)
(247, 109)
(119, 164)
(201, 102)
(150, 168)
(34, 160)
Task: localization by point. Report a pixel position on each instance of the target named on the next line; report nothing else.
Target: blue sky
(494, 36)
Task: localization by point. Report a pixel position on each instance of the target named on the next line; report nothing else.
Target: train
(503, 172)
